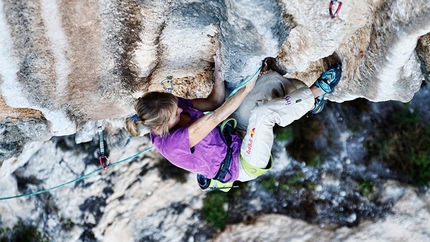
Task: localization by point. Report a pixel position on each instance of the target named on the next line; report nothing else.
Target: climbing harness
(227, 128)
(217, 183)
(330, 8)
(77, 179)
(221, 181)
(168, 84)
(104, 160)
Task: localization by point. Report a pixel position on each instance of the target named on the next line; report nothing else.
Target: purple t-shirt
(206, 156)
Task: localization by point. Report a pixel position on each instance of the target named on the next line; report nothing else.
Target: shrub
(366, 186)
(66, 224)
(215, 210)
(286, 184)
(22, 232)
(269, 183)
(283, 133)
(404, 145)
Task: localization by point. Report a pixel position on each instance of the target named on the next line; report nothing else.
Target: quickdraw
(330, 8)
(102, 155)
(168, 84)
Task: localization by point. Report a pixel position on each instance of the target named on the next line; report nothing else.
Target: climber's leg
(257, 143)
(269, 86)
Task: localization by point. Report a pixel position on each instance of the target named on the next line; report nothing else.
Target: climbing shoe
(329, 79)
(319, 105)
(207, 184)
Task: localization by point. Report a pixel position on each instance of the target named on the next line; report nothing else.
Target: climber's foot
(319, 104)
(330, 78)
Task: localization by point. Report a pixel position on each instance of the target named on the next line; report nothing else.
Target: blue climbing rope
(244, 82)
(79, 178)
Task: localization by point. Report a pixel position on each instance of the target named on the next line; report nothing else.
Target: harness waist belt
(224, 167)
(227, 128)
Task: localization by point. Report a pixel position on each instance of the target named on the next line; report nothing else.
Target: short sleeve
(179, 140)
(183, 103)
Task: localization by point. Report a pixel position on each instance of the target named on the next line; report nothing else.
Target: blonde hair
(153, 109)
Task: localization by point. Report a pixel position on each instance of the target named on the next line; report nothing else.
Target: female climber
(201, 143)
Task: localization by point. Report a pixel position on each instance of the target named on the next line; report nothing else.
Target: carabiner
(102, 150)
(169, 81)
(102, 164)
(330, 9)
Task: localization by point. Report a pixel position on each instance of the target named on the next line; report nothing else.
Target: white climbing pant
(274, 100)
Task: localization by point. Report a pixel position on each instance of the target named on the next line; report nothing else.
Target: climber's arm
(213, 101)
(204, 125)
(217, 96)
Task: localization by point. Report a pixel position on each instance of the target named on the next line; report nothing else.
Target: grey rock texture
(132, 202)
(65, 66)
(398, 227)
(82, 61)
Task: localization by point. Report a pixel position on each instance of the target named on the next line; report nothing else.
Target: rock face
(67, 65)
(408, 223)
(131, 201)
(78, 61)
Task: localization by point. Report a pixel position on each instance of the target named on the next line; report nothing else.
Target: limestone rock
(132, 201)
(408, 223)
(81, 61)
(65, 66)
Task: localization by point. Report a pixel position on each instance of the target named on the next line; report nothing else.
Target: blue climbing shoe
(319, 105)
(329, 79)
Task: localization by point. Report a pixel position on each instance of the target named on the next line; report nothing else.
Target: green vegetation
(404, 144)
(86, 145)
(215, 208)
(302, 147)
(283, 133)
(66, 224)
(367, 187)
(22, 232)
(421, 170)
(286, 184)
(319, 159)
(269, 183)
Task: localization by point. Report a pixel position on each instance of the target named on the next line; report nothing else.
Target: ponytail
(132, 126)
